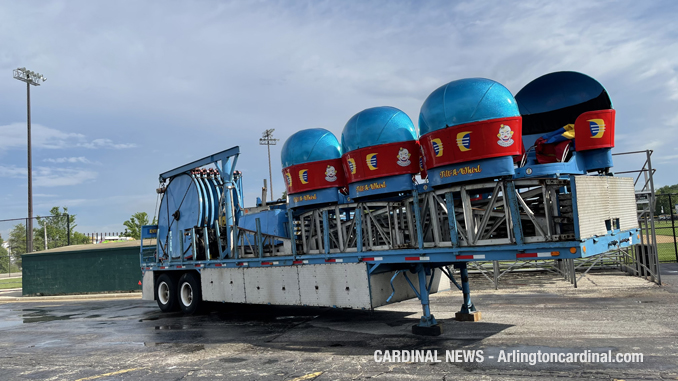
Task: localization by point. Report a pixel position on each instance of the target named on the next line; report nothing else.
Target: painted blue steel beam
(438, 256)
(452, 222)
(223, 156)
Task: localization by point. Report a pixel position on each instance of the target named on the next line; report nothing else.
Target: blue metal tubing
(433, 275)
(447, 272)
(467, 306)
(423, 291)
(326, 232)
(260, 241)
(207, 243)
(393, 288)
(230, 223)
(514, 207)
(229, 159)
(217, 232)
(290, 222)
(422, 294)
(452, 220)
(417, 217)
(359, 229)
(575, 211)
(427, 318)
(417, 293)
(236, 256)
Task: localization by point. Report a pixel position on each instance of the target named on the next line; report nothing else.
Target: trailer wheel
(166, 293)
(189, 293)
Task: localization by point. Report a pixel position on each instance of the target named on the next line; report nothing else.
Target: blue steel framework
(422, 247)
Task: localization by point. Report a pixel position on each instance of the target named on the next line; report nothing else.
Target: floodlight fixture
(28, 76)
(268, 140)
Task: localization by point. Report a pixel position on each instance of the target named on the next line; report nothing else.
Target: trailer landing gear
(468, 310)
(428, 325)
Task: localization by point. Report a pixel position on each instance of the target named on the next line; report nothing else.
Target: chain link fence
(48, 233)
(666, 219)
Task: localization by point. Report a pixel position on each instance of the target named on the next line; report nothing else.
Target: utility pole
(9, 259)
(31, 78)
(268, 140)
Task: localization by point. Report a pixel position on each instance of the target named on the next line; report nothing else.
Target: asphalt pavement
(130, 339)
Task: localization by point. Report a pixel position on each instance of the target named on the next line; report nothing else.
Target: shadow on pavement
(307, 329)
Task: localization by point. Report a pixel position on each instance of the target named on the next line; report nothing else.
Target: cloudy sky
(137, 88)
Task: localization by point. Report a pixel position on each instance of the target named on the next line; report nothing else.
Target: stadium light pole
(268, 140)
(32, 79)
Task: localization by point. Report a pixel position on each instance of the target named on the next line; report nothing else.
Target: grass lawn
(664, 227)
(667, 252)
(10, 283)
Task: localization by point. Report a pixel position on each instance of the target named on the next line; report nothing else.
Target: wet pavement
(10, 293)
(130, 339)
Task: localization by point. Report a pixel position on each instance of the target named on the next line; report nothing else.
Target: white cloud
(54, 177)
(79, 159)
(15, 172)
(68, 202)
(106, 143)
(667, 159)
(50, 177)
(14, 135)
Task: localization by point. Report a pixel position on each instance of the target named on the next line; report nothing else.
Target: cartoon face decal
(330, 174)
(505, 136)
(403, 157)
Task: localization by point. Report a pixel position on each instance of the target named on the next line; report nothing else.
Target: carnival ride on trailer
(391, 199)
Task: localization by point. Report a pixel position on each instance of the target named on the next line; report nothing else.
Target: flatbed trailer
(357, 221)
(361, 266)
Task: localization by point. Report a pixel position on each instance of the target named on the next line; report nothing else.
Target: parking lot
(126, 338)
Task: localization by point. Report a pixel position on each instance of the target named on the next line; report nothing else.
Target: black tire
(166, 293)
(189, 293)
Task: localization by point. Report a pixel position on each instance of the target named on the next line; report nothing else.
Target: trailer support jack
(428, 326)
(468, 310)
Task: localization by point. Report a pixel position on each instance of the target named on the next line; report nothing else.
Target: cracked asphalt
(130, 339)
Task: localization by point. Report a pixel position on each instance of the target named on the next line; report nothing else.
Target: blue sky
(136, 88)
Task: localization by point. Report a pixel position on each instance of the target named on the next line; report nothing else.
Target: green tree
(56, 228)
(134, 224)
(17, 242)
(4, 258)
(663, 199)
